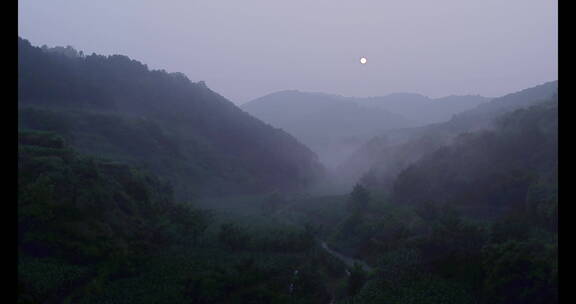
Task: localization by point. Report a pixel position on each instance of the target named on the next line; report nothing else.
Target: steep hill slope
(99, 231)
(112, 106)
(514, 165)
(384, 156)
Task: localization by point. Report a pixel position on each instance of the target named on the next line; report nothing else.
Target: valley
(141, 186)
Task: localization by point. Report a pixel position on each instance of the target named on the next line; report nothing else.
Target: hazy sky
(244, 49)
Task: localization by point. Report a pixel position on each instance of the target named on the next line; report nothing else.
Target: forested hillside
(380, 160)
(474, 221)
(514, 165)
(99, 231)
(426, 173)
(115, 107)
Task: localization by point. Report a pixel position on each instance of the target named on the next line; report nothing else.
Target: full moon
(363, 60)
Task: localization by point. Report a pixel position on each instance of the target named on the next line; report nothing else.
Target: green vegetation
(474, 222)
(491, 170)
(114, 107)
(126, 199)
(95, 231)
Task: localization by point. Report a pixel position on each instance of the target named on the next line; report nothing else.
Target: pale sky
(245, 49)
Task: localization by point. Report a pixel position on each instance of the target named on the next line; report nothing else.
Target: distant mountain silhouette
(330, 125)
(334, 126)
(422, 109)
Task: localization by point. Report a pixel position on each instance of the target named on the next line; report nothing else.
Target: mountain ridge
(330, 125)
(403, 146)
(116, 107)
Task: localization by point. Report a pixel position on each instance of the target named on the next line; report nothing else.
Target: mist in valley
(294, 152)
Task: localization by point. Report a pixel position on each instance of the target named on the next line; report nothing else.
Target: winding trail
(348, 261)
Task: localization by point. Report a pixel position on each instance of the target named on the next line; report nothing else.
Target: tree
(273, 204)
(232, 237)
(521, 272)
(356, 280)
(359, 199)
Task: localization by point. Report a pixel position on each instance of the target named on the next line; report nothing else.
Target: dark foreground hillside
(97, 231)
(473, 222)
(115, 107)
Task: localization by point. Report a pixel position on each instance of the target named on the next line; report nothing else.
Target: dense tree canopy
(490, 170)
(123, 172)
(116, 107)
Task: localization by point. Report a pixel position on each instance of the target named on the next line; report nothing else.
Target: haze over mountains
(287, 152)
(422, 109)
(335, 126)
(204, 145)
(115, 107)
(332, 126)
(140, 186)
(386, 155)
(491, 169)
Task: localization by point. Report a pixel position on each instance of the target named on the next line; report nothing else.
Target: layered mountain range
(386, 155)
(335, 126)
